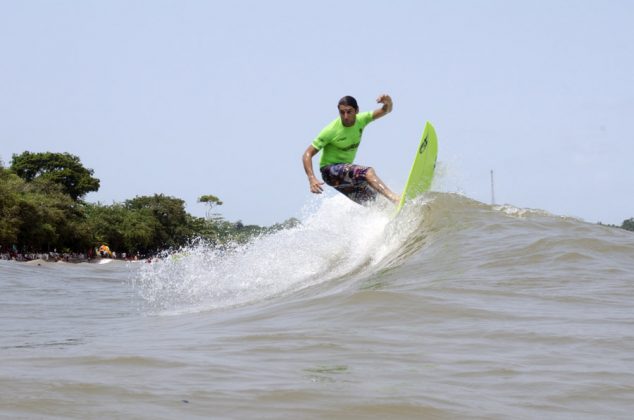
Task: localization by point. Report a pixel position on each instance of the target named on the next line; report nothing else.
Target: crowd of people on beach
(45, 256)
(12, 254)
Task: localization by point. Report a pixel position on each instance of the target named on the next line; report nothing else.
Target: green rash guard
(338, 143)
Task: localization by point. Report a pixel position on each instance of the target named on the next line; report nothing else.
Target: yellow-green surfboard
(422, 172)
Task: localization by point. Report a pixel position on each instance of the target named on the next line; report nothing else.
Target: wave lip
(339, 239)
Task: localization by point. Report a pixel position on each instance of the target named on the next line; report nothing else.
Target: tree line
(42, 209)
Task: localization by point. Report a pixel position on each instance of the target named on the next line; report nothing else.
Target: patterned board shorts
(350, 180)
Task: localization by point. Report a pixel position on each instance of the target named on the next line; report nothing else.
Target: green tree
(210, 201)
(59, 168)
(205, 228)
(122, 229)
(628, 224)
(39, 216)
(9, 207)
(172, 228)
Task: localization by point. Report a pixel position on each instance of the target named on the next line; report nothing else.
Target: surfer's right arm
(307, 159)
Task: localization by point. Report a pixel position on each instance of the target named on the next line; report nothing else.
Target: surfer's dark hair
(349, 101)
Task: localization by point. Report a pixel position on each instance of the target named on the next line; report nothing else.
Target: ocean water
(456, 309)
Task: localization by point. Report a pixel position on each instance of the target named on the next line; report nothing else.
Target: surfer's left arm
(385, 109)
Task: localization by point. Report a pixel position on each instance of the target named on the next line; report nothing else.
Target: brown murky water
(454, 310)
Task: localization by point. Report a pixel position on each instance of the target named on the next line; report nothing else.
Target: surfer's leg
(361, 193)
(376, 183)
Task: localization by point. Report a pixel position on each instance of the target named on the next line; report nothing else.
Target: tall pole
(492, 190)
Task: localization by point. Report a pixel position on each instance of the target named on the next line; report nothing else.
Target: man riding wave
(338, 142)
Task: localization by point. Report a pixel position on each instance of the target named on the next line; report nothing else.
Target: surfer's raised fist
(386, 101)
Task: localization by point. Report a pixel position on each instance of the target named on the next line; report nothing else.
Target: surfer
(339, 142)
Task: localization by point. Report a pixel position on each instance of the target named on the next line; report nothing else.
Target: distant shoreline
(69, 258)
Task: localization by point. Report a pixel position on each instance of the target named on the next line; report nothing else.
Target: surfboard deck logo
(423, 146)
(422, 172)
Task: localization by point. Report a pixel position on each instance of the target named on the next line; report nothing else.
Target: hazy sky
(188, 98)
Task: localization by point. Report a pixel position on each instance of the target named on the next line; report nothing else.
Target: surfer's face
(348, 115)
